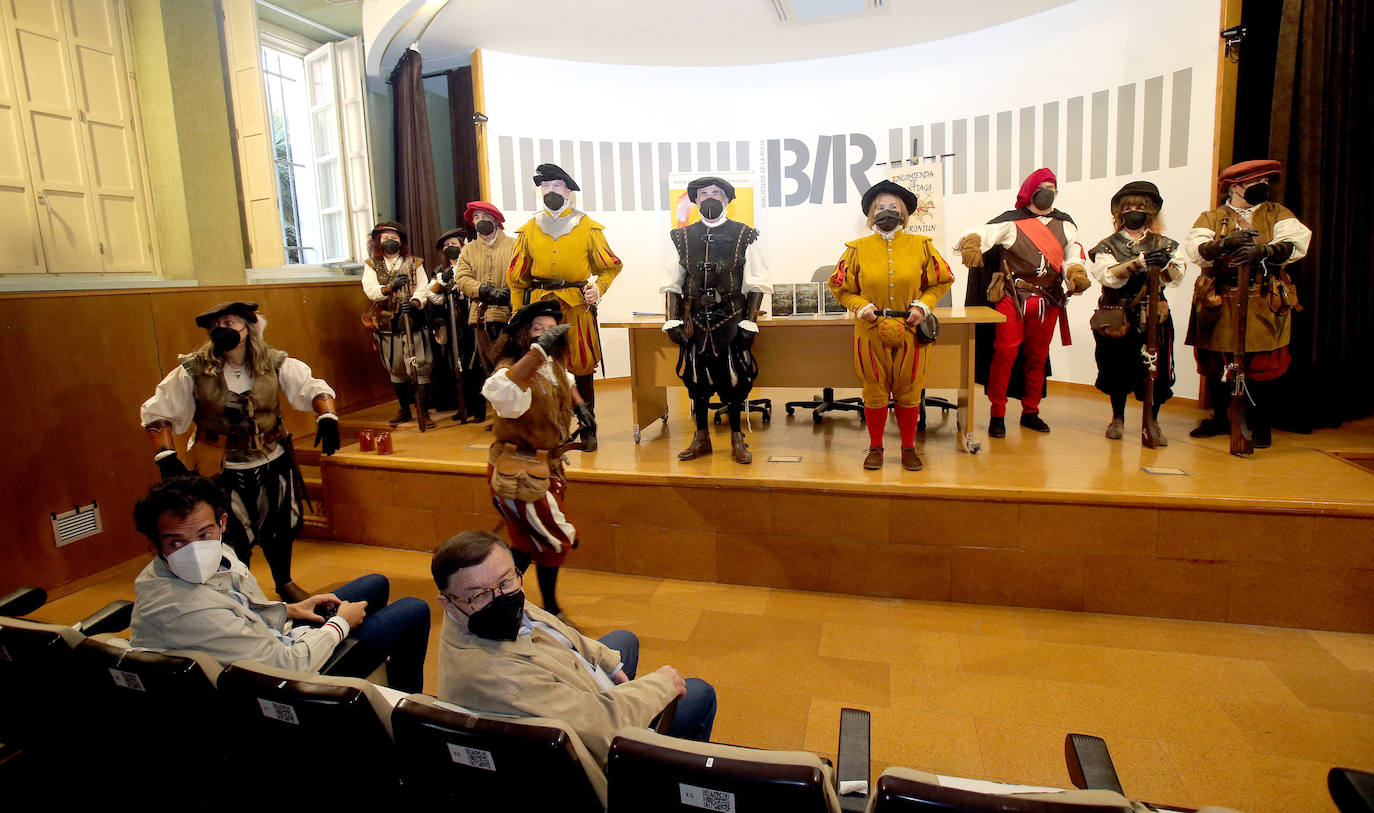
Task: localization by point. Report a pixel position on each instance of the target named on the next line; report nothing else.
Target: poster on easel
(926, 182)
(682, 212)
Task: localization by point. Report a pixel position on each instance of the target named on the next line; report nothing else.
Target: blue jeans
(696, 711)
(396, 634)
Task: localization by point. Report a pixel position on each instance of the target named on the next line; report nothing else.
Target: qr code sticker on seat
(127, 680)
(717, 800)
(472, 757)
(278, 711)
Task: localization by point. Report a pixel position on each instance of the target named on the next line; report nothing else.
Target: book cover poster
(807, 298)
(926, 181)
(783, 295)
(831, 304)
(682, 212)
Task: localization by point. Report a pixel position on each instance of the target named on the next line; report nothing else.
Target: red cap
(1033, 182)
(1246, 171)
(483, 206)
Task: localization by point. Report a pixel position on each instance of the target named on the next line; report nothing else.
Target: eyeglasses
(505, 587)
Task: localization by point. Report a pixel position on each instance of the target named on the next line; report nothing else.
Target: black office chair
(826, 401)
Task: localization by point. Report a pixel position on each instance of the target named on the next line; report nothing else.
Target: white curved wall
(1075, 88)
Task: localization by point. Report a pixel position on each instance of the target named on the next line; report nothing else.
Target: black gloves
(492, 295)
(327, 435)
(1250, 253)
(586, 421)
(406, 307)
(554, 340)
(746, 338)
(678, 335)
(446, 276)
(1157, 258)
(171, 466)
(397, 283)
(1231, 242)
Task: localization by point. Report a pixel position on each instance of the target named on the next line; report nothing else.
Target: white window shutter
(253, 135)
(320, 92)
(352, 103)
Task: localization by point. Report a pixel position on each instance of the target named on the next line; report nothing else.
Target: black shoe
(997, 428)
(1033, 421)
(1210, 428)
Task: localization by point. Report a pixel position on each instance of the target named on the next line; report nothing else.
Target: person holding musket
(395, 281)
(1027, 254)
(891, 281)
(1250, 230)
(713, 294)
(481, 276)
(535, 399)
(231, 388)
(460, 340)
(1122, 264)
(557, 254)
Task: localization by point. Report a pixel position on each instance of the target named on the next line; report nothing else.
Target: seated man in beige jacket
(498, 653)
(197, 595)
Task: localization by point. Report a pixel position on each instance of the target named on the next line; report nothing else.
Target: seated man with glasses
(498, 653)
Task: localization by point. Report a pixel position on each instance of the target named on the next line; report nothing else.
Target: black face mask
(711, 208)
(887, 220)
(391, 246)
(499, 620)
(224, 339)
(452, 252)
(1257, 194)
(1043, 198)
(553, 201)
(1134, 220)
(485, 227)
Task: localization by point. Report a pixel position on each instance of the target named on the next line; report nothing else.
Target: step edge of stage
(1342, 508)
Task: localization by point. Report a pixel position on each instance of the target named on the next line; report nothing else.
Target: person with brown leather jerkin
(535, 398)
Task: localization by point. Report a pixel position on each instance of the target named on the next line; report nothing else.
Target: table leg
(964, 438)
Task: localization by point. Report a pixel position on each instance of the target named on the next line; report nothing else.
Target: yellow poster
(682, 212)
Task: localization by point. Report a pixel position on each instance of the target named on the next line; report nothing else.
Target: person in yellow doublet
(891, 281)
(561, 253)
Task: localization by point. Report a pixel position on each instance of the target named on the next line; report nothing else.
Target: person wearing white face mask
(197, 595)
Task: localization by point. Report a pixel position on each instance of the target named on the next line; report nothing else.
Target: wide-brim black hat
(247, 311)
(457, 232)
(906, 196)
(1145, 189)
(394, 226)
(553, 172)
(524, 317)
(701, 183)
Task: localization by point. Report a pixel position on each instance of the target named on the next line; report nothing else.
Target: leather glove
(171, 466)
(406, 307)
(397, 283)
(1250, 253)
(586, 422)
(446, 276)
(970, 253)
(554, 340)
(1231, 242)
(492, 295)
(678, 335)
(1157, 258)
(327, 435)
(1077, 279)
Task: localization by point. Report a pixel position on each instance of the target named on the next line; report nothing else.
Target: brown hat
(247, 311)
(1247, 171)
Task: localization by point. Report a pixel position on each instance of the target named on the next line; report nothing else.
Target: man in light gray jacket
(197, 595)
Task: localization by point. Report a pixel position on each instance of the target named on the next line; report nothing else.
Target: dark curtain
(466, 181)
(417, 204)
(1318, 124)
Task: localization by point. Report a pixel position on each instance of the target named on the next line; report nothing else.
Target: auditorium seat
(282, 723)
(1351, 790)
(903, 790)
(1091, 768)
(22, 601)
(451, 756)
(651, 771)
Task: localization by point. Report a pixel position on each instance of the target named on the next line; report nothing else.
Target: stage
(1069, 520)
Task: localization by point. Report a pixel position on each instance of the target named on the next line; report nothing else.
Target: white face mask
(196, 561)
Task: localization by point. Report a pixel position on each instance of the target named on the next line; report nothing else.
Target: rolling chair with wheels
(826, 401)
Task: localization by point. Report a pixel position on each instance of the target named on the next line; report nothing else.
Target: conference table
(814, 350)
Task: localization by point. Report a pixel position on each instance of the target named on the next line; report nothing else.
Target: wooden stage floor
(1068, 520)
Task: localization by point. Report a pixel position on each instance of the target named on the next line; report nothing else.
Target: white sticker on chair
(127, 680)
(471, 757)
(705, 798)
(278, 711)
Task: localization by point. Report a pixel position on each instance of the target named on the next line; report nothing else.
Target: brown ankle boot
(874, 459)
(701, 446)
(910, 460)
(739, 450)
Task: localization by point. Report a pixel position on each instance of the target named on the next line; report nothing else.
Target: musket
(456, 350)
(1150, 434)
(1241, 442)
(412, 364)
(297, 479)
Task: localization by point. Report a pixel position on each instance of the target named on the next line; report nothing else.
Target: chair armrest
(1351, 790)
(113, 617)
(664, 720)
(340, 652)
(22, 601)
(1090, 764)
(852, 756)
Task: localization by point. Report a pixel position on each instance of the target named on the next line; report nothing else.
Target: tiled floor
(1194, 712)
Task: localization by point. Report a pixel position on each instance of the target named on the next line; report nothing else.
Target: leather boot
(874, 459)
(739, 450)
(423, 411)
(910, 460)
(701, 446)
(403, 395)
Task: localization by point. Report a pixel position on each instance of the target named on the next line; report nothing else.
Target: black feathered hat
(701, 183)
(553, 172)
(458, 232)
(247, 311)
(524, 317)
(1145, 189)
(394, 226)
(907, 197)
